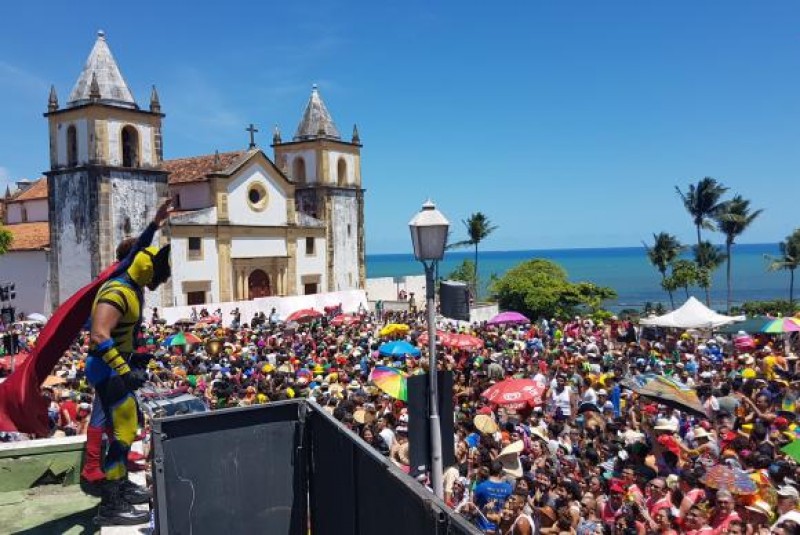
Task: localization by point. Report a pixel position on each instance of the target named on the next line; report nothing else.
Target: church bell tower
(326, 171)
(105, 179)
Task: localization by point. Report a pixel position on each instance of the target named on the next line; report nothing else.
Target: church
(245, 225)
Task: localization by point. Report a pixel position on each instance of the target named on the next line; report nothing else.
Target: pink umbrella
(515, 393)
(510, 318)
(463, 341)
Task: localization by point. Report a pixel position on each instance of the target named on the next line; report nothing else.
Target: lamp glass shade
(429, 233)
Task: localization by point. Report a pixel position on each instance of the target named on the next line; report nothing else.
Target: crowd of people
(591, 455)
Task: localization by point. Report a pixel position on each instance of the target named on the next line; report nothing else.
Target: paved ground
(47, 510)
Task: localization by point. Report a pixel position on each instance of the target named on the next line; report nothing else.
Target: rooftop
(36, 191)
(197, 168)
(102, 76)
(29, 236)
(317, 121)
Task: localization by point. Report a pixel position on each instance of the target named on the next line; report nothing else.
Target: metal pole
(437, 470)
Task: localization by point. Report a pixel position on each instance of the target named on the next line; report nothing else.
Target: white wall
(30, 272)
(310, 157)
(36, 211)
(193, 196)
(73, 241)
(81, 127)
(147, 157)
(333, 166)
(312, 264)
(257, 247)
(385, 288)
(185, 270)
(345, 247)
(239, 210)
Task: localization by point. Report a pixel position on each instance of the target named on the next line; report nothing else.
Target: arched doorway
(130, 147)
(258, 285)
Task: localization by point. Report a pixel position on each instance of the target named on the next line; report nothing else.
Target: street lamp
(429, 237)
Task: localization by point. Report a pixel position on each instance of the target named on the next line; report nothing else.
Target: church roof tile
(197, 168)
(29, 236)
(36, 191)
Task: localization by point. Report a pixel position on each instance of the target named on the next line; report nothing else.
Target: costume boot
(134, 494)
(92, 475)
(115, 511)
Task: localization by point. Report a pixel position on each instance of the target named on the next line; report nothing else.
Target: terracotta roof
(36, 191)
(29, 236)
(196, 168)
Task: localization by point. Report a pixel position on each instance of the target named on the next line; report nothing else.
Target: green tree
(708, 258)
(5, 240)
(665, 250)
(478, 229)
(788, 260)
(733, 218)
(540, 288)
(464, 272)
(702, 201)
(684, 274)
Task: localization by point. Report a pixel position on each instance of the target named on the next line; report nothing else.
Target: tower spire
(317, 121)
(111, 86)
(356, 138)
(276, 135)
(52, 101)
(155, 104)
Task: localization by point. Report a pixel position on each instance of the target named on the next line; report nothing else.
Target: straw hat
(662, 424)
(362, 416)
(762, 507)
(536, 432)
(509, 458)
(699, 432)
(485, 424)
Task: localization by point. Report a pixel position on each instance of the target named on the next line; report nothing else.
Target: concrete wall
(312, 264)
(344, 216)
(310, 158)
(81, 127)
(34, 211)
(386, 288)
(30, 271)
(239, 210)
(257, 247)
(193, 196)
(333, 166)
(185, 270)
(147, 154)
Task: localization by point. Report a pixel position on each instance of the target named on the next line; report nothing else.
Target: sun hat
(662, 424)
(787, 491)
(699, 432)
(485, 424)
(362, 416)
(509, 459)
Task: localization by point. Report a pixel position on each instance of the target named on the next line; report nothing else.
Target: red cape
(22, 406)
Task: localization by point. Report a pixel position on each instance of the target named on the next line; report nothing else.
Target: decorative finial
(276, 135)
(314, 88)
(356, 138)
(101, 34)
(252, 129)
(52, 102)
(217, 161)
(155, 104)
(94, 89)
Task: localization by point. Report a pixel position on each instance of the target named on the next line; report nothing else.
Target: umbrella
(41, 318)
(345, 320)
(304, 373)
(463, 341)
(510, 317)
(781, 325)
(185, 321)
(672, 393)
(792, 449)
(181, 339)
(395, 328)
(441, 336)
(750, 325)
(515, 393)
(398, 348)
(304, 315)
(209, 320)
(485, 424)
(392, 381)
(734, 480)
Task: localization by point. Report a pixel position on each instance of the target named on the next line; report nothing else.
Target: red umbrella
(515, 393)
(463, 341)
(345, 320)
(209, 320)
(441, 336)
(305, 314)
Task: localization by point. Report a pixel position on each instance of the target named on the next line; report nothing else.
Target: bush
(780, 307)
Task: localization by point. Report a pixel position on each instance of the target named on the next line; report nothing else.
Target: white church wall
(72, 230)
(147, 155)
(193, 196)
(312, 264)
(333, 166)
(249, 247)
(30, 272)
(201, 270)
(81, 138)
(345, 242)
(310, 158)
(240, 212)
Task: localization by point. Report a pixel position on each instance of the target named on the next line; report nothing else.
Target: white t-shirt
(388, 437)
(590, 396)
(562, 400)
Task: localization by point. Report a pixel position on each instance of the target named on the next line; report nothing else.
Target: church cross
(252, 129)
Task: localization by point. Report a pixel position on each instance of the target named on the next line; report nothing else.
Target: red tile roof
(36, 191)
(29, 236)
(197, 168)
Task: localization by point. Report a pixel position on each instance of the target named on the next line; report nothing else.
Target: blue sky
(567, 123)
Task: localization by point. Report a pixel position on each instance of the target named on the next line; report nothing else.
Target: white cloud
(16, 77)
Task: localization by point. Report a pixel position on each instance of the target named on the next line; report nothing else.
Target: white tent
(691, 315)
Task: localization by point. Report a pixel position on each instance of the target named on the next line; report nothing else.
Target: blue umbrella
(398, 348)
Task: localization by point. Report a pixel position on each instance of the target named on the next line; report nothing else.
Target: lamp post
(428, 236)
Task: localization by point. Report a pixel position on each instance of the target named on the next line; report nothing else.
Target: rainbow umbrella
(672, 393)
(181, 339)
(781, 325)
(392, 381)
(734, 480)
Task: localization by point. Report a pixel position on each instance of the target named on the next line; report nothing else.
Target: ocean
(625, 269)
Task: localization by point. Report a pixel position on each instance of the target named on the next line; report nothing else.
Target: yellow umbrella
(395, 328)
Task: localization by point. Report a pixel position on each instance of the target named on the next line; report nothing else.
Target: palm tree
(708, 258)
(733, 218)
(702, 201)
(666, 249)
(789, 259)
(478, 229)
(5, 240)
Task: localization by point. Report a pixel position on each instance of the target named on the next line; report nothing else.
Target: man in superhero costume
(116, 317)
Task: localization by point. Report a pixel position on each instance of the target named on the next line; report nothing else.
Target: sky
(568, 124)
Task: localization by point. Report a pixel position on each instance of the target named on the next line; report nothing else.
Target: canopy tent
(691, 315)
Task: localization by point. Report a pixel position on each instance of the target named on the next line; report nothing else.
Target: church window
(130, 147)
(341, 172)
(24, 213)
(195, 251)
(309, 246)
(72, 146)
(196, 298)
(349, 230)
(299, 169)
(176, 200)
(310, 288)
(257, 196)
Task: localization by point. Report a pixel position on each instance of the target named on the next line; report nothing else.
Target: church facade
(245, 225)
